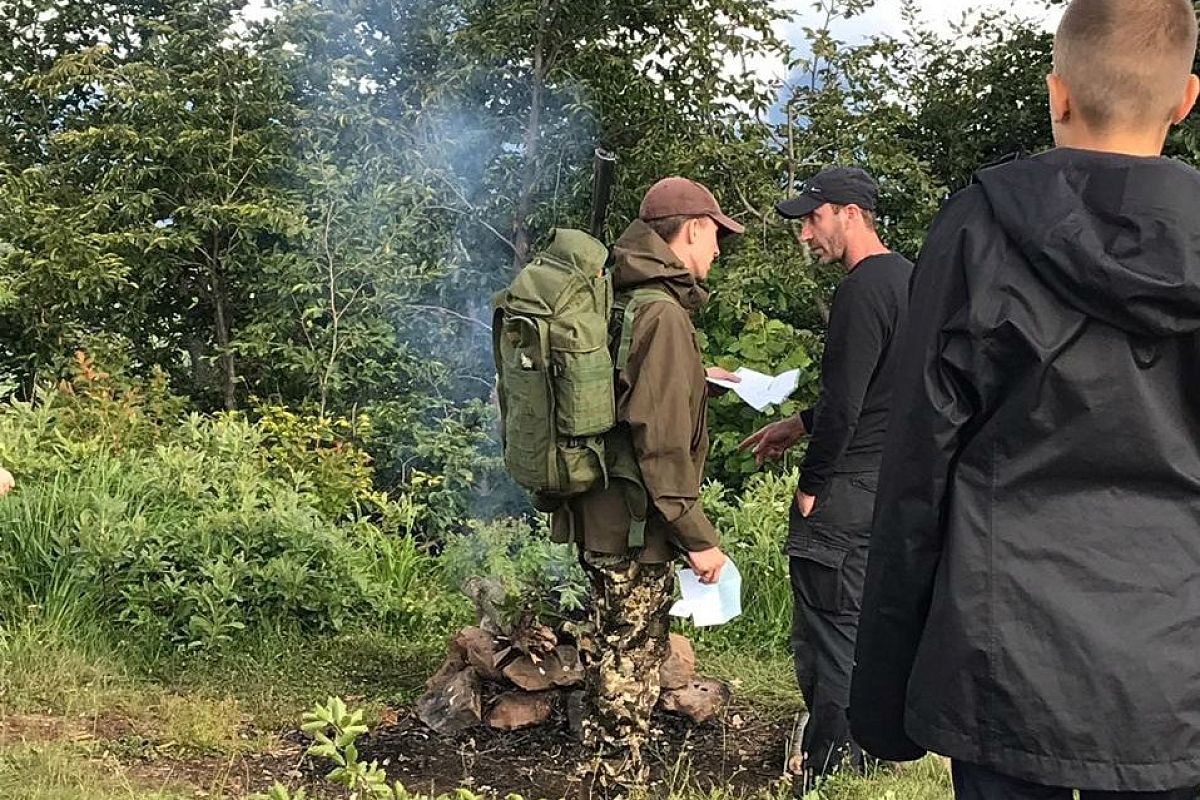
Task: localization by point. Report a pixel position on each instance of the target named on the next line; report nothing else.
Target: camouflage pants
(628, 644)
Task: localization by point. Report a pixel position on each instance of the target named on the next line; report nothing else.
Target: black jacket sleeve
(857, 334)
(934, 401)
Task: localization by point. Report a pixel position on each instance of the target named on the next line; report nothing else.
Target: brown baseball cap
(677, 196)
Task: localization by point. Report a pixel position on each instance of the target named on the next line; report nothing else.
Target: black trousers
(973, 782)
(827, 560)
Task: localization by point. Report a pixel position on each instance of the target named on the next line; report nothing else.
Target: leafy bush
(753, 529)
(188, 533)
(445, 457)
(766, 345)
(316, 453)
(510, 569)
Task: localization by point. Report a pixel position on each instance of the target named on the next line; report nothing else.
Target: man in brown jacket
(662, 435)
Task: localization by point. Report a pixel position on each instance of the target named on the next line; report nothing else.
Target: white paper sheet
(709, 603)
(759, 390)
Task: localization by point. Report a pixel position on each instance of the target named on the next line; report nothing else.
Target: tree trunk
(533, 137)
(195, 348)
(221, 319)
(29, 385)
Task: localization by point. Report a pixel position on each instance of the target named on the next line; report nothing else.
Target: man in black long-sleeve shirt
(830, 522)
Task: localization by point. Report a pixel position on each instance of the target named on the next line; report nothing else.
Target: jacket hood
(1115, 236)
(643, 259)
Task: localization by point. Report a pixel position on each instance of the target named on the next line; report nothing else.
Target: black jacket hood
(1116, 236)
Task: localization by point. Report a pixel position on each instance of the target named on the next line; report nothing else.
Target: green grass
(116, 692)
(767, 682)
(267, 681)
(234, 701)
(59, 771)
(60, 664)
(63, 772)
(279, 677)
(927, 779)
(224, 706)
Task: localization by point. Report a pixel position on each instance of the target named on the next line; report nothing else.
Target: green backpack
(552, 330)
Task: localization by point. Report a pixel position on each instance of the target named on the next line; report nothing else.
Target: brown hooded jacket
(661, 397)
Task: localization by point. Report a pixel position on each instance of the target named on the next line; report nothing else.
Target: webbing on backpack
(637, 297)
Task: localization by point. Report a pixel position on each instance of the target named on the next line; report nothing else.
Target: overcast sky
(884, 17)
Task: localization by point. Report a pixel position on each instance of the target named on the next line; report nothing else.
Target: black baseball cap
(842, 186)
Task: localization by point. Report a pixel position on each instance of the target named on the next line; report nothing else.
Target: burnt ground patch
(743, 752)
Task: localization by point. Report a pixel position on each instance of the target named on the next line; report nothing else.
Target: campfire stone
(534, 637)
(456, 661)
(701, 700)
(561, 668)
(455, 706)
(480, 649)
(680, 667)
(515, 710)
(530, 676)
(564, 667)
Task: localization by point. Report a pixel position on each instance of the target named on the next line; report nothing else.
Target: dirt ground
(742, 753)
(236, 776)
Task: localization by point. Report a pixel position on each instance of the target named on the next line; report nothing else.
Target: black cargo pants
(827, 554)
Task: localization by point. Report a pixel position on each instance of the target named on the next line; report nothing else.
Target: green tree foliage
(156, 206)
(36, 34)
(973, 105)
(311, 212)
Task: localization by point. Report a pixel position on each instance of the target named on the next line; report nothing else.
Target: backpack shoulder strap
(628, 304)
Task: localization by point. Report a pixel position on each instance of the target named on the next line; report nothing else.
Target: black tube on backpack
(603, 172)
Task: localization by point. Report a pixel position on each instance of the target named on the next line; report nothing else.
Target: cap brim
(728, 224)
(799, 206)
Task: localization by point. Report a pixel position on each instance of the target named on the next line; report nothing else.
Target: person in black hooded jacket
(1032, 598)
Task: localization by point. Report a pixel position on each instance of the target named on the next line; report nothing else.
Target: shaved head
(1126, 62)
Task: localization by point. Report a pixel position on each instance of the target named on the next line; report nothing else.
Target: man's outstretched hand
(771, 441)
